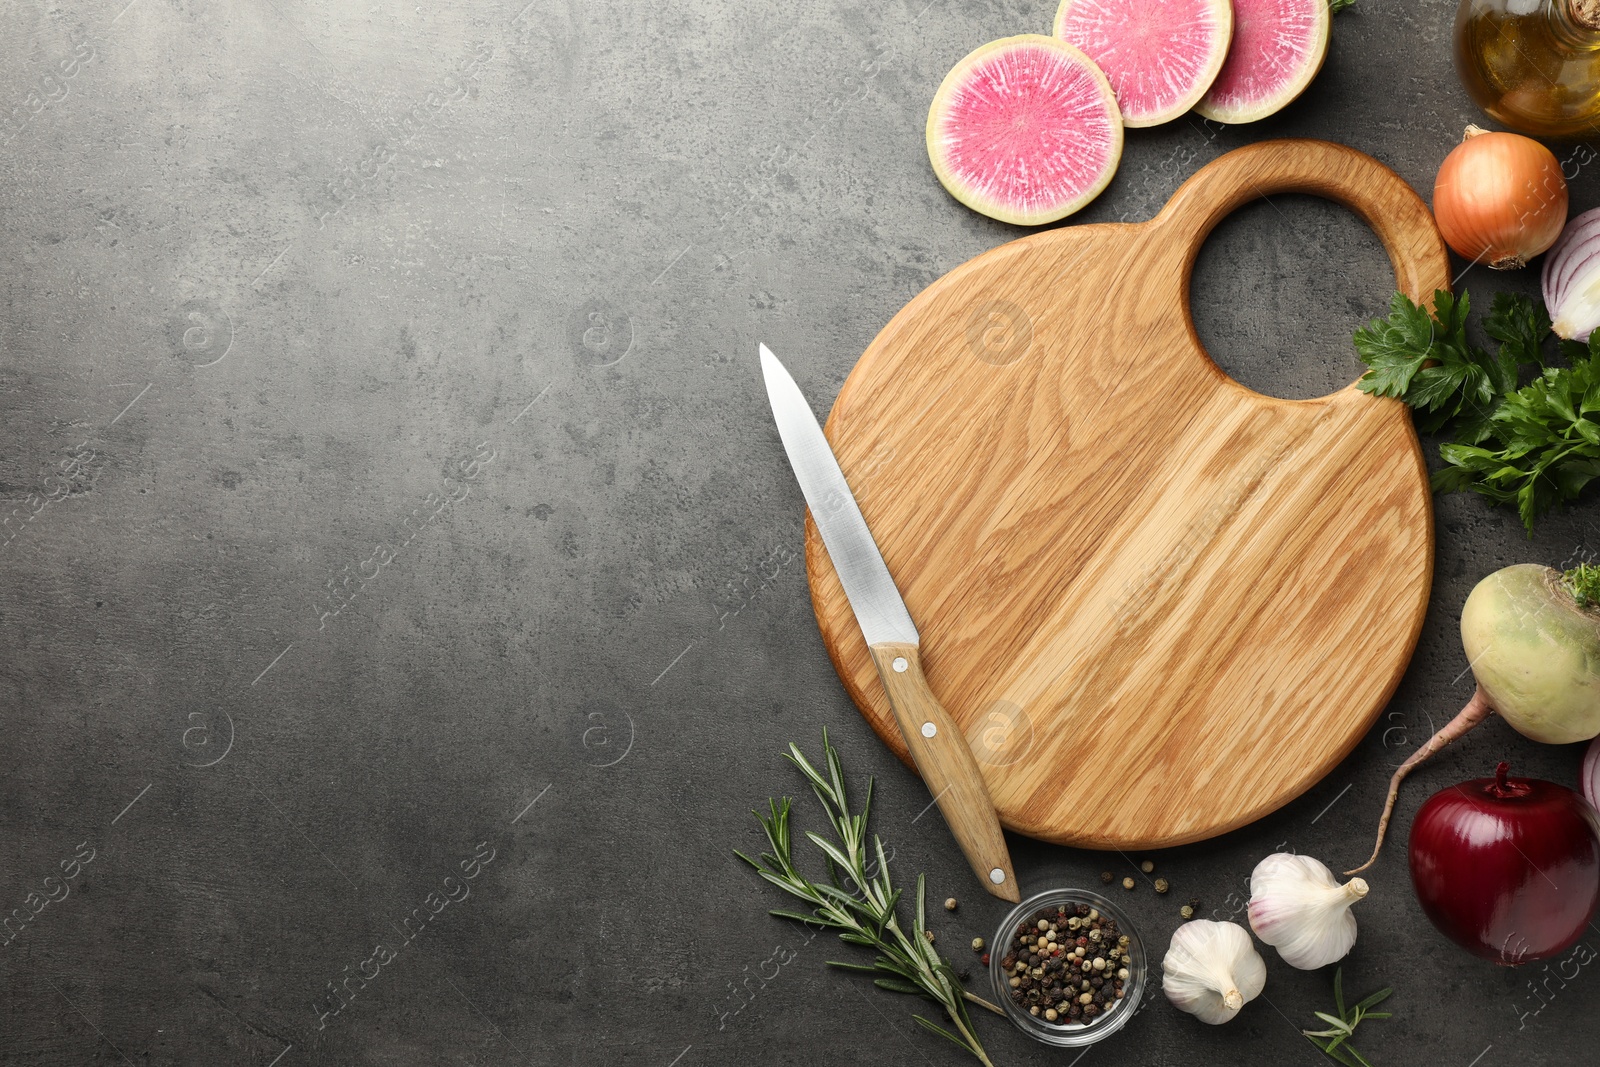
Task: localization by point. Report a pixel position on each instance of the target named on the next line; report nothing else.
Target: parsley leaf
(1530, 447)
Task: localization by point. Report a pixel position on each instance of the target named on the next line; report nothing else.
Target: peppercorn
(1128, 883)
(950, 904)
(1107, 877)
(1186, 912)
(1148, 866)
(1162, 885)
(977, 944)
(1038, 973)
(984, 959)
(929, 935)
(1050, 1015)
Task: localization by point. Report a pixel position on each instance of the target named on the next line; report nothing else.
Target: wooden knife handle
(948, 767)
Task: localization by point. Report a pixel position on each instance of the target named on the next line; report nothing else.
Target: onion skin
(1590, 778)
(1535, 653)
(1500, 199)
(1507, 868)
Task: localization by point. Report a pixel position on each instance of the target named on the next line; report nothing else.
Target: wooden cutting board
(1159, 604)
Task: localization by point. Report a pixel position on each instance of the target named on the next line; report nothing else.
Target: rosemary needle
(865, 915)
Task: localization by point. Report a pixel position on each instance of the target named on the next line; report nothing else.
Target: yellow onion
(1500, 198)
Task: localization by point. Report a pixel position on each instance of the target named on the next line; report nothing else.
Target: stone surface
(403, 579)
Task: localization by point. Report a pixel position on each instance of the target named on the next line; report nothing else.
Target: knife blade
(937, 745)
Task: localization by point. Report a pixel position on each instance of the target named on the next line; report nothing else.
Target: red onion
(1571, 278)
(1507, 868)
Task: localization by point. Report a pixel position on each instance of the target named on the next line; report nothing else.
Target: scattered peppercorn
(977, 944)
(1107, 877)
(1128, 883)
(1186, 912)
(950, 904)
(1148, 866)
(1162, 885)
(929, 935)
(984, 959)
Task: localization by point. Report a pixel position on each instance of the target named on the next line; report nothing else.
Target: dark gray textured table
(404, 578)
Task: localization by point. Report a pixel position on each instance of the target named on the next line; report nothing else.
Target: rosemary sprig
(865, 915)
(1335, 1041)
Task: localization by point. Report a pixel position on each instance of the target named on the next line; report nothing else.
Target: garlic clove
(1299, 907)
(1211, 970)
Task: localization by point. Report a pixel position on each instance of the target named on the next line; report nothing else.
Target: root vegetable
(1532, 637)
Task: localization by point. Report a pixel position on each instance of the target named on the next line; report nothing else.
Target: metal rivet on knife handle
(936, 743)
(947, 765)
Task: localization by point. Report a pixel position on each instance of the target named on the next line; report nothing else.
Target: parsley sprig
(1335, 1040)
(1527, 446)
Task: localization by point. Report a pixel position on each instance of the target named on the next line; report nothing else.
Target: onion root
(1477, 709)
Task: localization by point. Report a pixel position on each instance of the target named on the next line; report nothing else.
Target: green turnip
(1532, 638)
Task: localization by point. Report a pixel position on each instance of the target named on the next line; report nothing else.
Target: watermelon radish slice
(1159, 55)
(1278, 47)
(1025, 130)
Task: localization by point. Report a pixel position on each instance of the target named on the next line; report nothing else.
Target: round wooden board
(1159, 604)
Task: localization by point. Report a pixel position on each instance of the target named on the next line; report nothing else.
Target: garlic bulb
(1211, 969)
(1298, 906)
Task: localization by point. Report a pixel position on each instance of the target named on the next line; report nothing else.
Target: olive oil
(1533, 65)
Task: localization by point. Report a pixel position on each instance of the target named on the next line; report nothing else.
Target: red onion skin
(1590, 776)
(1507, 868)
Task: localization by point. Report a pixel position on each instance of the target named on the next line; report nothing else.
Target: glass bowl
(1058, 906)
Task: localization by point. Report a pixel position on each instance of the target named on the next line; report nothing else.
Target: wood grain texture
(940, 753)
(1159, 604)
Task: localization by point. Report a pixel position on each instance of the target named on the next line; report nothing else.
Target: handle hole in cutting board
(1278, 288)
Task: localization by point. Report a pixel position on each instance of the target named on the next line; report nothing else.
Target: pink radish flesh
(1278, 47)
(1159, 55)
(1025, 130)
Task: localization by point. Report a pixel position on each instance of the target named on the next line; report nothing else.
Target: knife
(936, 742)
